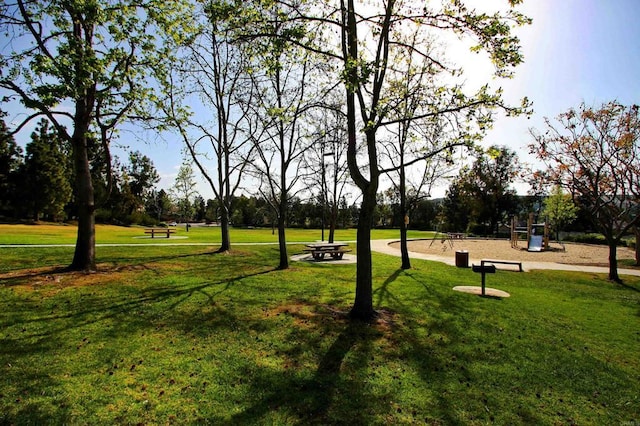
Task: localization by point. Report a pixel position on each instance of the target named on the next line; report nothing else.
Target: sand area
(575, 254)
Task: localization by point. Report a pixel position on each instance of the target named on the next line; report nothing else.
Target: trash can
(462, 259)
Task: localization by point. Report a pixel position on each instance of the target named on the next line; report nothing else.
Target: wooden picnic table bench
(159, 231)
(456, 235)
(488, 267)
(319, 250)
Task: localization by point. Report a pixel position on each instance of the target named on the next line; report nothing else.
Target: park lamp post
(324, 188)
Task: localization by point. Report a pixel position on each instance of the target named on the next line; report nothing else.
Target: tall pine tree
(10, 163)
(47, 184)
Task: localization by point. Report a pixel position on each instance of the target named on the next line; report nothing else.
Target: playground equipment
(537, 234)
(447, 237)
(443, 237)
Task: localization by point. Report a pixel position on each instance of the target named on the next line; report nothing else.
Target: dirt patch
(305, 314)
(575, 254)
(57, 278)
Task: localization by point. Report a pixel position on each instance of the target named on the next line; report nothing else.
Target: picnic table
(455, 235)
(159, 231)
(319, 250)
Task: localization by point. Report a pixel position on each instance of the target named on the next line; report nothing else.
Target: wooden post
(529, 229)
(546, 235)
(483, 277)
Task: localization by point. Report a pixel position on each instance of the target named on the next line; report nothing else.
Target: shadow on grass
(292, 360)
(108, 264)
(325, 396)
(47, 323)
(89, 310)
(56, 411)
(434, 341)
(627, 286)
(38, 324)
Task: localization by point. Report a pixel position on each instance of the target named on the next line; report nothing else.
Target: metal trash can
(462, 259)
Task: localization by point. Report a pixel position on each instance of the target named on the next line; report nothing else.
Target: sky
(575, 51)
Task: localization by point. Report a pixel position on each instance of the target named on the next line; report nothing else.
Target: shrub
(104, 216)
(586, 239)
(598, 239)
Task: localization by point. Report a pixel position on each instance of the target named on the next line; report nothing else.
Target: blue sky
(575, 51)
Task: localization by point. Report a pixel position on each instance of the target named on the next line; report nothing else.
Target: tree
(366, 72)
(158, 204)
(280, 73)
(413, 189)
(143, 177)
(415, 134)
(47, 186)
(456, 210)
(487, 186)
(10, 165)
(364, 44)
(211, 212)
(89, 64)
(559, 209)
(184, 191)
(213, 72)
(594, 153)
(200, 208)
(104, 174)
(326, 161)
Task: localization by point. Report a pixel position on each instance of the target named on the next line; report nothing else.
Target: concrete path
(382, 246)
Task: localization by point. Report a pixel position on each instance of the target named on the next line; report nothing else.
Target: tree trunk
(333, 219)
(363, 305)
(225, 244)
(613, 261)
(282, 240)
(638, 246)
(404, 250)
(84, 258)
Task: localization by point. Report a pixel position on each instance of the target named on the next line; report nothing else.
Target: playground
(574, 254)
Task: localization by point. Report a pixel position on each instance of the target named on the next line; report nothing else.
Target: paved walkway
(382, 246)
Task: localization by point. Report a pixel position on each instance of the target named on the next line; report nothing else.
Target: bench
(335, 253)
(505, 262)
(489, 267)
(159, 231)
(335, 250)
(455, 235)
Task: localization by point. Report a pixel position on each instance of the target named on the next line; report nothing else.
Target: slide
(535, 243)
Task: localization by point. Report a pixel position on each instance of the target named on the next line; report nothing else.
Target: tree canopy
(559, 209)
(86, 67)
(46, 174)
(594, 153)
(482, 196)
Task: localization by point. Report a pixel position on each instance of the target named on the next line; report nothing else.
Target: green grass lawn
(183, 335)
(109, 234)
